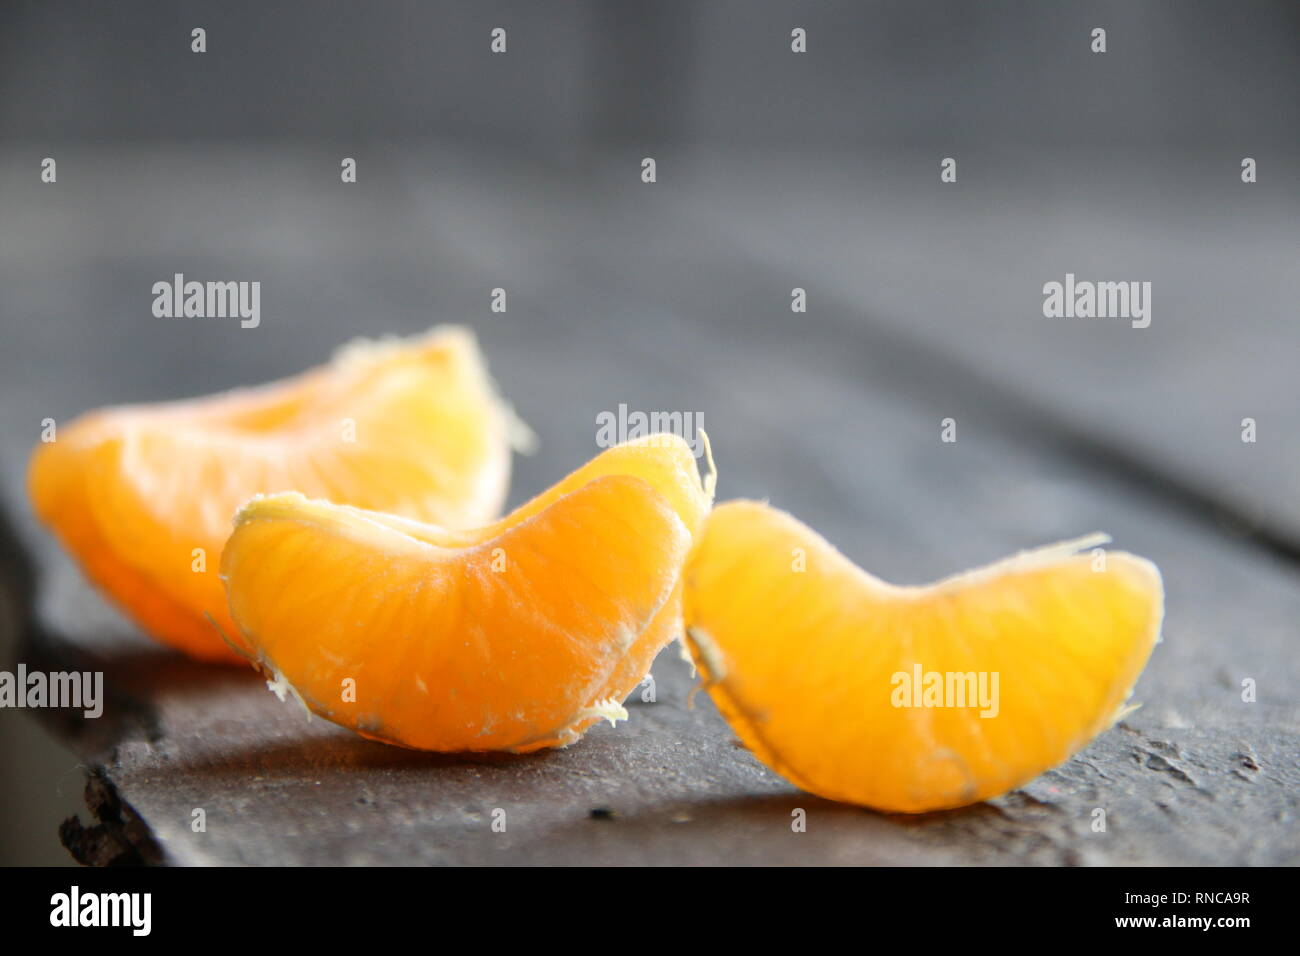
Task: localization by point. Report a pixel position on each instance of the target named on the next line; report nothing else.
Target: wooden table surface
(925, 302)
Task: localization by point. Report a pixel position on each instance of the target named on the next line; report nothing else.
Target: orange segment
(143, 495)
(517, 636)
(912, 698)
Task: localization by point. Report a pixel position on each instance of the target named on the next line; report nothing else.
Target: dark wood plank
(616, 295)
(957, 270)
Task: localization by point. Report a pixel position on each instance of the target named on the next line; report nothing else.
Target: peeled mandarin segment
(143, 496)
(518, 640)
(815, 669)
(667, 462)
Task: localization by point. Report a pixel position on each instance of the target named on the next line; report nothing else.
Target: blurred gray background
(775, 170)
(1180, 73)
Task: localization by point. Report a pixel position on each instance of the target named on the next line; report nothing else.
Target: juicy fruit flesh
(805, 664)
(143, 496)
(517, 636)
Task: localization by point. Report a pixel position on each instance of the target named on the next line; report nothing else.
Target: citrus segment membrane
(516, 636)
(142, 496)
(912, 698)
